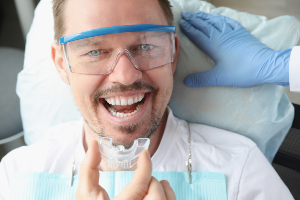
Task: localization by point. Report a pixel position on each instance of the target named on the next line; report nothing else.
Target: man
(129, 101)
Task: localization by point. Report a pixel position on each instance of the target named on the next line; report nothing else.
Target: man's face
(151, 89)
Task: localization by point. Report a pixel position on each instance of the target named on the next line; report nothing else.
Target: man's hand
(88, 186)
(241, 60)
(142, 187)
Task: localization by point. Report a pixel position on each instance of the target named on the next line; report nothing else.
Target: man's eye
(94, 53)
(145, 47)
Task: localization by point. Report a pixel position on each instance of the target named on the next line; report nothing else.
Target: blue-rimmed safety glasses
(96, 52)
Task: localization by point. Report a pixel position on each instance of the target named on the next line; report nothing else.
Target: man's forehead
(83, 15)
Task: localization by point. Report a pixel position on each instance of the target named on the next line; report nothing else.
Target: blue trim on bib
(49, 186)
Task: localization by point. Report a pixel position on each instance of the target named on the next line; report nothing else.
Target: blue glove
(241, 60)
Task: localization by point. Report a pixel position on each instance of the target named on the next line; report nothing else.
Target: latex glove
(142, 186)
(241, 60)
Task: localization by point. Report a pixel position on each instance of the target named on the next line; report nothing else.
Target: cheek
(83, 87)
(162, 77)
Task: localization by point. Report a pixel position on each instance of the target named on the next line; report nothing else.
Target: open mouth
(124, 106)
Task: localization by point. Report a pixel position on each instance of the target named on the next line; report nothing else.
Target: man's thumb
(89, 174)
(138, 187)
(93, 157)
(143, 172)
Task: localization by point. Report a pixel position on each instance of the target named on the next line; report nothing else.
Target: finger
(199, 24)
(211, 19)
(208, 78)
(155, 190)
(223, 25)
(203, 15)
(89, 173)
(142, 174)
(88, 185)
(231, 22)
(187, 15)
(170, 195)
(195, 35)
(138, 187)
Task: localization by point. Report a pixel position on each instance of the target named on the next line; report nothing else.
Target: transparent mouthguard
(118, 156)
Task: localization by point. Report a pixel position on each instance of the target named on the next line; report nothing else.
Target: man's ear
(174, 63)
(57, 56)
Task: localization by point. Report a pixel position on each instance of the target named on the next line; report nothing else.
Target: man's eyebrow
(151, 34)
(155, 34)
(92, 42)
(87, 43)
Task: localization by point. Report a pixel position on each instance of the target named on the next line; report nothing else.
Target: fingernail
(187, 81)
(202, 15)
(183, 23)
(148, 154)
(198, 12)
(165, 183)
(187, 15)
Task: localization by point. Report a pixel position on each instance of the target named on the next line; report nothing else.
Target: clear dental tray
(119, 157)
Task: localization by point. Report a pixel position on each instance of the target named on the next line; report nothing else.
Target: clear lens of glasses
(100, 54)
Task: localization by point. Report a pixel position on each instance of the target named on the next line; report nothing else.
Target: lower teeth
(118, 114)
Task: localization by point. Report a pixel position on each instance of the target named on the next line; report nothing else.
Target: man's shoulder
(223, 140)
(210, 135)
(36, 157)
(221, 137)
(213, 149)
(62, 132)
(216, 136)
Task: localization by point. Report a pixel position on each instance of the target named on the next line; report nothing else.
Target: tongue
(125, 109)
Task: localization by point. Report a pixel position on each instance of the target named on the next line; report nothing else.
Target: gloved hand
(241, 60)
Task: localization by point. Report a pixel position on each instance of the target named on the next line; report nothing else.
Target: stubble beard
(130, 130)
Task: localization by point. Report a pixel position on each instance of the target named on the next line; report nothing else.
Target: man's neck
(155, 139)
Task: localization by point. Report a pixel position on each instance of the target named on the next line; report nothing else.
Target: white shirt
(248, 173)
(294, 70)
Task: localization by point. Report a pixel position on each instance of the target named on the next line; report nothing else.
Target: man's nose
(124, 71)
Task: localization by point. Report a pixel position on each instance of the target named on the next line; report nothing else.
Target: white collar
(169, 136)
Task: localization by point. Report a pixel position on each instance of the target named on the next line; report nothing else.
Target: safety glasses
(96, 52)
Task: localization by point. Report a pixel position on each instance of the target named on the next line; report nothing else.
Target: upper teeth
(124, 101)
